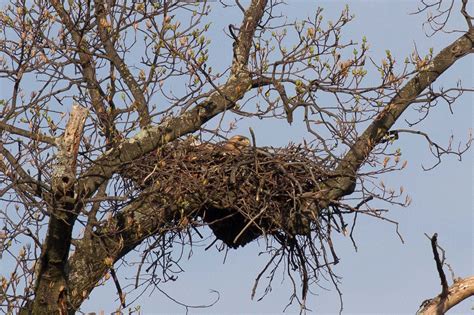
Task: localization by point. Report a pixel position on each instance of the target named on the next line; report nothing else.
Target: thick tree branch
(449, 296)
(352, 161)
(252, 18)
(96, 253)
(461, 290)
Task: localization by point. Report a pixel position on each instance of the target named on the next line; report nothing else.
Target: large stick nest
(241, 192)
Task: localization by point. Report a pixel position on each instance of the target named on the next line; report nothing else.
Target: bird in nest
(236, 144)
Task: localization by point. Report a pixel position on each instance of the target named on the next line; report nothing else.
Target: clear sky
(384, 276)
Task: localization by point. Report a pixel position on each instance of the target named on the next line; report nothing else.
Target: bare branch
(140, 102)
(25, 133)
(89, 73)
(450, 296)
(389, 115)
(466, 15)
(439, 265)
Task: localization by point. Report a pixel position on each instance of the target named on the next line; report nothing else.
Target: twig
(439, 265)
(119, 289)
(249, 223)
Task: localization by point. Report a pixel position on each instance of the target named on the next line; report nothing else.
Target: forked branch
(450, 296)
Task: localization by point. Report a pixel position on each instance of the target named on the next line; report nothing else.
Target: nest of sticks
(241, 193)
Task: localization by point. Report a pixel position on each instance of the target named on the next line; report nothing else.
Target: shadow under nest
(240, 193)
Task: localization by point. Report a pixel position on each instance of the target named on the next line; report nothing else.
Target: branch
(25, 133)
(466, 15)
(95, 254)
(244, 41)
(449, 296)
(439, 265)
(89, 72)
(461, 290)
(69, 143)
(118, 287)
(353, 160)
(140, 101)
(438, 150)
(27, 183)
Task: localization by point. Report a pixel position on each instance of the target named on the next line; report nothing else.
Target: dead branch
(439, 265)
(459, 291)
(450, 296)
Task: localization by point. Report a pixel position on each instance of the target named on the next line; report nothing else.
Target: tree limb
(353, 160)
(25, 133)
(449, 296)
(27, 183)
(244, 42)
(459, 291)
(140, 101)
(115, 238)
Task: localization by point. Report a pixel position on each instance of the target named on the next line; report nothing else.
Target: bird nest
(240, 192)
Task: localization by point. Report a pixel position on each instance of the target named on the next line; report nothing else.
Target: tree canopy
(117, 135)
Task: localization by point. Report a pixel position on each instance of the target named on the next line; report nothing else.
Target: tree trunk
(51, 290)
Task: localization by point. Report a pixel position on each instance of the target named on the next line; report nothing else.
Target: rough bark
(95, 254)
(51, 287)
(458, 292)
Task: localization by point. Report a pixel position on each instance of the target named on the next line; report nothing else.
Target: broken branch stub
(65, 170)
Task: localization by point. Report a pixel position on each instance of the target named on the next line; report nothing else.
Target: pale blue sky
(384, 276)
